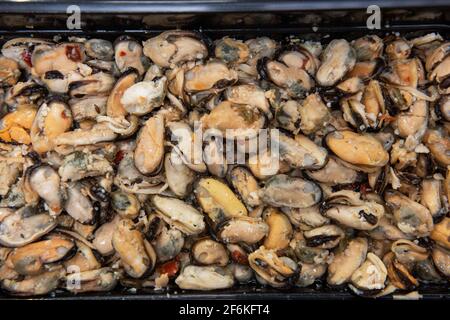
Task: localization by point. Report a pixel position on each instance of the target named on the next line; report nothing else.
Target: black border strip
(199, 6)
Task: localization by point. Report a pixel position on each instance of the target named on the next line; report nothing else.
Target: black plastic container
(321, 19)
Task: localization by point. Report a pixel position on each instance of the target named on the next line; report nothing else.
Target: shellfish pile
(102, 187)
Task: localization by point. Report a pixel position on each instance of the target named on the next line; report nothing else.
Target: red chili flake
(73, 53)
(170, 268)
(239, 257)
(122, 53)
(363, 188)
(387, 118)
(63, 115)
(119, 156)
(26, 56)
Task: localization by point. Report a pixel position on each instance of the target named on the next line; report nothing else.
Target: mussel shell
(282, 190)
(33, 225)
(99, 49)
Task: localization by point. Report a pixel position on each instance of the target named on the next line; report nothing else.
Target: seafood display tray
(128, 23)
(318, 291)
